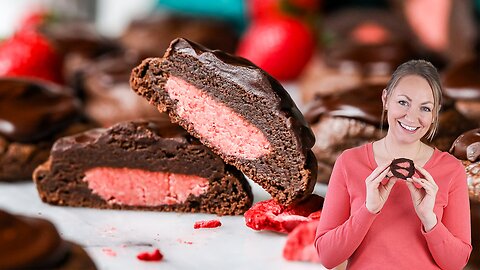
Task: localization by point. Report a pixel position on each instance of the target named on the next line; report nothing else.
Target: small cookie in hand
(402, 168)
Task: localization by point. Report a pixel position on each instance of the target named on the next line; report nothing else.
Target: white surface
(127, 233)
(11, 12)
(113, 16)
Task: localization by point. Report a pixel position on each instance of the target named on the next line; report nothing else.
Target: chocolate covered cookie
(148, 165)
(34, 243)
(238, 110)
(402, 168)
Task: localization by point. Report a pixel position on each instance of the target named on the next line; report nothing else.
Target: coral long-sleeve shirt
(393, 238)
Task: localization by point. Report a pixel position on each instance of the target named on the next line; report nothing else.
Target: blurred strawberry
(282, 47)
(261, 9)
(29, 54)
(34, 19)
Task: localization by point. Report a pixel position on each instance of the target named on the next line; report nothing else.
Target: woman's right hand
(377, 192)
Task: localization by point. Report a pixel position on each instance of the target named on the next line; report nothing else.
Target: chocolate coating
(363, 103)
(462, 81)
(161, 128)
(33, 110)
(395, 168)
(467, 146)
(27, 243)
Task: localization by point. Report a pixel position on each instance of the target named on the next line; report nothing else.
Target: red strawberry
(261, 9)
(282, 47)
(33, 19)
(29, 54)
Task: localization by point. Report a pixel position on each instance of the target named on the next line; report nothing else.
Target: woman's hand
(424, 197)
(377, 192)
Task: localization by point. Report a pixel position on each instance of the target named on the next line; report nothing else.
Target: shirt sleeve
(450, 240)
(339, 232)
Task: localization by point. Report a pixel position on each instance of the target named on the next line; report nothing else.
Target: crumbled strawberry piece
(272, 216)
(109, 252)
(207, 224)
(155, 256)
(299, 244)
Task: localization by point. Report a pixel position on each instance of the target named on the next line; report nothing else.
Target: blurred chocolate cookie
(462, 84)
(467, 149)
(363, 46)
(151, 36)
(34, 243)
(32, 115)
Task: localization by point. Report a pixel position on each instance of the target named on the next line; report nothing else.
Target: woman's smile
(408, 128)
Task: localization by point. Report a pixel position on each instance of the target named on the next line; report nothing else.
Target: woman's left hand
(424, 197)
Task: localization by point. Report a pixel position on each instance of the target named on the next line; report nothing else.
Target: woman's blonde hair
(427, 71)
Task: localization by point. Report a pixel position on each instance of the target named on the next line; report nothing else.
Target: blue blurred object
(230, 10)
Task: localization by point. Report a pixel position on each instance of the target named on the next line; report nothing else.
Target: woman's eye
(403, 102)
(426, 109)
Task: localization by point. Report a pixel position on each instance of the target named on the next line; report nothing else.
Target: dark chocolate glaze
(462, 81)
(160, 128)
(29, 243)
(251, 78)
(32, 110)
(362, 103)
(467, 146)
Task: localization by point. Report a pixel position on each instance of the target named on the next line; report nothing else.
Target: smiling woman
(422, 85)
(373, 220)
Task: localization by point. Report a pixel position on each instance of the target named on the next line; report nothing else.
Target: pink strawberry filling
(403, 164)
(143, 188)
(218, 124)
(404, 172)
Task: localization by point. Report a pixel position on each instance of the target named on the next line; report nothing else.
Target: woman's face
(409, 109)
